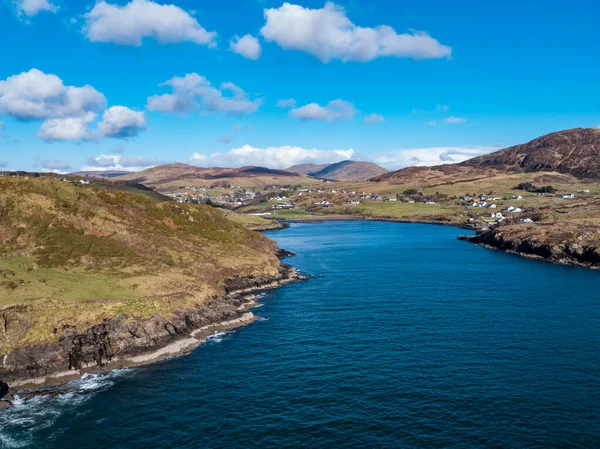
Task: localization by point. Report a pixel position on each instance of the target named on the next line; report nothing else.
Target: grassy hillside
(75, 255)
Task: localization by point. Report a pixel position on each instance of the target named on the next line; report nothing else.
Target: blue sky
(445, 80)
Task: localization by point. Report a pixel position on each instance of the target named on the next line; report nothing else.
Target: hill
(573, 152)
(349, 171)
(88, 273)
(305, 169)
(170, 176)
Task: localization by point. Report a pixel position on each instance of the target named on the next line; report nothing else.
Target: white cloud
(70, 128)
(119, 162)
(122, 122)
(271, 157)
(432, 123)
(334, 110)
(396, 159)
(138, 19)
(247, 46)
(36, 95)
(328, 34)
(454, 120)
(374, 118)
(32, 7)
(194, 91)
(286, 103)
(442, 108)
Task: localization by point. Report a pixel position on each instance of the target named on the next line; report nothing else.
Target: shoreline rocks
(563, 253)
(124, 341)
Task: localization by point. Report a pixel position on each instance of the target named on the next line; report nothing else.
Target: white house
(567, 195)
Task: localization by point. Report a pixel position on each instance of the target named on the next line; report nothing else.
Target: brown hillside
(173, 175)
(574, 151)
(349, 171)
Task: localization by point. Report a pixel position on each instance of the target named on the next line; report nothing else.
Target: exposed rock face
(574, 151)
(3, 389)
(111, 343)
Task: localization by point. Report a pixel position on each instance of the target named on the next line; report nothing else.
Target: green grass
(67, 286)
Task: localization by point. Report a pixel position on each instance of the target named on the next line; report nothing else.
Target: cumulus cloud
(139, 19)
(271, 157)
(193, 92)
(328, 34)
(454, 120)
(247, 46)
(70, 128)
(33, 7)
(122, 123)
(396, 159)
(334, 110)
(36, 95)
(286, 103)
(119, 162)
(373, 118)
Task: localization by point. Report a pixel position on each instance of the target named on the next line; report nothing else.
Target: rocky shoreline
(124, 342)
(562, 253)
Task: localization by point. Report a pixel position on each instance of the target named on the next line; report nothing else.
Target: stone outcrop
(560, 252)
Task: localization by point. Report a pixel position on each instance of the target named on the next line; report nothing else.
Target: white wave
(20, 423)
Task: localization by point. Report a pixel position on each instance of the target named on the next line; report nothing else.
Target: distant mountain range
(341, 171)
(574, 152)
(174, 174)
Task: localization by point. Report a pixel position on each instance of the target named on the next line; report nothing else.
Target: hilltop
(349, 171)
(175, 175)
(340, 171)
(573, 152)
(306, 169)
(89, 274)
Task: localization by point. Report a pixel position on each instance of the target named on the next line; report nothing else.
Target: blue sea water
(405, 337)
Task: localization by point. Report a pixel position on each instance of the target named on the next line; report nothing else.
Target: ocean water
(404, 338)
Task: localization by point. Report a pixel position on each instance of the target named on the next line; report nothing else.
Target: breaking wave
(20, 424)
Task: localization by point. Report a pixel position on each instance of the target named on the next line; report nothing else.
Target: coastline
(321, 219)
(558, 254)
(120, 343)
(561, 254)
